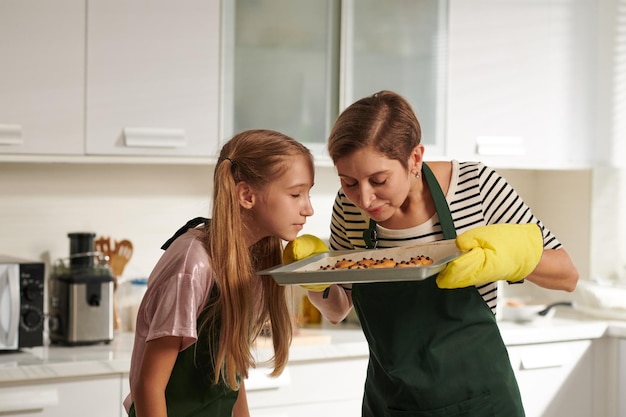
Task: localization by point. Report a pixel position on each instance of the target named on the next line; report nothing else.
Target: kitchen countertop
(58, 362)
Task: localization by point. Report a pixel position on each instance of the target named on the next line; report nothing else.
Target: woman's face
(375, 183)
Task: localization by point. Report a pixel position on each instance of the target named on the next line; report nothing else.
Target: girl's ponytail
(239, 312)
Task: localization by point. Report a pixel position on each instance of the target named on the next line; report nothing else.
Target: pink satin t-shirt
(178, 288)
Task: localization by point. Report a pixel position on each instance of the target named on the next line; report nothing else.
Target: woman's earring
(417, 174)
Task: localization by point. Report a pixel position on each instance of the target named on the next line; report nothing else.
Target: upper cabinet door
(401, 46)
(282, 67)
(521, 87)
(153, 77)
(297, 63)
(42, 45)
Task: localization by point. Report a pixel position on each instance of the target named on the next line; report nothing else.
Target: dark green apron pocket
(474, 407)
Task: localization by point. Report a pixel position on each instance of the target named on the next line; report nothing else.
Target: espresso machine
(81, 295)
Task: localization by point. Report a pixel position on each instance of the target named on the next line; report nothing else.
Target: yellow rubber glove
(507, 252)
(303, 247)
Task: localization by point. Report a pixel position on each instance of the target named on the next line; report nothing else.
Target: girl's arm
(336, 307)
(241, 405)
(555, 271)
(154, 373)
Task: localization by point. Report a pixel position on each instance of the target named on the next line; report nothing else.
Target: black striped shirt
(477, 196)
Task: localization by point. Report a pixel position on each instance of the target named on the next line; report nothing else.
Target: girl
(205, 306)
(433, 351)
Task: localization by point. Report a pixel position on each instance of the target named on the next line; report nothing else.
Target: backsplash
(41, 202)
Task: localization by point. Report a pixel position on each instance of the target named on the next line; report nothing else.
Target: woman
(435, 349)
(204, 305)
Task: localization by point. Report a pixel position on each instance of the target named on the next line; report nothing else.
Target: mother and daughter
(435, 349)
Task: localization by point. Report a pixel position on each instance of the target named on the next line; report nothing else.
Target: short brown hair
(384, 120)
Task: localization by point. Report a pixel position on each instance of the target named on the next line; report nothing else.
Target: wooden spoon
(103, 245)
(118, 255)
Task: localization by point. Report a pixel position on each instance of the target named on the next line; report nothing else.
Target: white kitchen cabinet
(294, 64)
(42, 45)
(125, 391)
(153, 83)
(621, 384)
(350, 408)
(555, 379)
(94, 397)
(282, 68)
(399, 46)
(309, 389)
(521, 82)
(612, 379)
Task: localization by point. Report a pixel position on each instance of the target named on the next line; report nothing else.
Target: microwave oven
(21, 303)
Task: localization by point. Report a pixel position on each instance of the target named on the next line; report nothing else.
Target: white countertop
(58, 362)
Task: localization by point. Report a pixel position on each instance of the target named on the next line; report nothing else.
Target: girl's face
(375, 183)
(283, 206)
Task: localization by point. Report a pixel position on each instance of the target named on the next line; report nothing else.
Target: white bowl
(520, 312)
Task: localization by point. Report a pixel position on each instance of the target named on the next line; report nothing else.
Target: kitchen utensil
(118, 254)
(521, 312)
(103, 245)
(307, 271)
(549, 307)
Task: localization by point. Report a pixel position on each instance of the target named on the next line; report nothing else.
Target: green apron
(433, 352)
(190, 392)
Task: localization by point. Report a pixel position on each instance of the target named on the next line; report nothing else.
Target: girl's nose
(308, 208)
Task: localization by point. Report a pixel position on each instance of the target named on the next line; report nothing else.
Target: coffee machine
(81, 295)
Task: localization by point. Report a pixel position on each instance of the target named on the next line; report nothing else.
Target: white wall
(41, 203)
(562, 199)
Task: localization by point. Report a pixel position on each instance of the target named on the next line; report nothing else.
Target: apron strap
(193, 223)
(441, 205)
(370, 236)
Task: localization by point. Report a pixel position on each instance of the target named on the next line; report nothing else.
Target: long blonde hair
(256, 157)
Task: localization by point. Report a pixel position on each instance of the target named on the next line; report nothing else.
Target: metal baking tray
(307, 271)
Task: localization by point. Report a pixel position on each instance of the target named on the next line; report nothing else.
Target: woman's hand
(509, 252)
(496, 252)
(336, 306)
(304, 247)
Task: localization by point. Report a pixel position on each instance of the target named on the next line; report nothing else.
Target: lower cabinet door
(555, 379)
(621, 385)
(315, 388)
(348, 408)
(97, 397)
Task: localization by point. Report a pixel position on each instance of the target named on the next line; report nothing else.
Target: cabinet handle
(543, 359)
(27, 399)
(11, 135)
(500, 146)
(139, 137)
